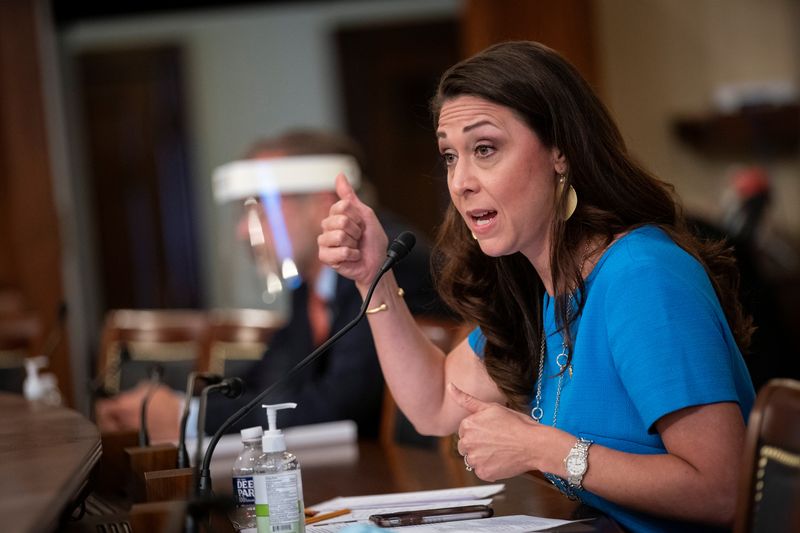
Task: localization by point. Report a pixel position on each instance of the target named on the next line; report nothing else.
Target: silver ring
(469, 468)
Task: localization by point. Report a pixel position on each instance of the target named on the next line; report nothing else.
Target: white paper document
(409, 499)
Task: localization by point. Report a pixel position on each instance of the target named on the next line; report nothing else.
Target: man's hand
(122, 412)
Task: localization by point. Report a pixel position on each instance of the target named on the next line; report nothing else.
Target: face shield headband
(258, 185)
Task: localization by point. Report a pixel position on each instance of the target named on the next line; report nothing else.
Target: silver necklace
(561, 361)
(536, 412)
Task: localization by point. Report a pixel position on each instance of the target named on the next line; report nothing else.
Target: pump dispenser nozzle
(273, 440)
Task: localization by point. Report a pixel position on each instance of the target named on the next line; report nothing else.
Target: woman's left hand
(498, 442)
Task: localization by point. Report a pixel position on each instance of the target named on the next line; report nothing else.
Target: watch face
(576, 464)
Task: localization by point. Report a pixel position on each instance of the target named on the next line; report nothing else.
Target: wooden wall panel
(139, 177)
(29, 229)
(565, 25)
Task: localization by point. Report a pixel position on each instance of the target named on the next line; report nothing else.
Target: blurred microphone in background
(745, 202)
(156, 374)
(229, 388)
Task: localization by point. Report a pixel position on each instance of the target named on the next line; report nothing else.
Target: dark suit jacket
(345, 383)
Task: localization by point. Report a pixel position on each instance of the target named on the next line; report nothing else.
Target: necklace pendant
(570, 371)
(561, 360)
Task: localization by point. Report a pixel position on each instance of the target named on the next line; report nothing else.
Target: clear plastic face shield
(262, 233)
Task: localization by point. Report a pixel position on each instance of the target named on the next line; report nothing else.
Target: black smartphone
(432, 516)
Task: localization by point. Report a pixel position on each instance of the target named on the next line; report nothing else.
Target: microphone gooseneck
(97, 387)
(209, 379)
(398, 249)
(231, 388)
(156, 372)
(56, 333)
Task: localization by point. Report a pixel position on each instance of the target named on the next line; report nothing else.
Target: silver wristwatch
(577, 462)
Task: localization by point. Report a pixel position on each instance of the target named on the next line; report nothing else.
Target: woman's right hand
(353, 242)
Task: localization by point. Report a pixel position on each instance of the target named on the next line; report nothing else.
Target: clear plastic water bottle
(244, 516)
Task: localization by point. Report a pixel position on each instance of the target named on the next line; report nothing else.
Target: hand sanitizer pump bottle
(41, 388)
(277, 482)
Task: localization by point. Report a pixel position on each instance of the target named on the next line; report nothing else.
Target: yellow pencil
(324, 516)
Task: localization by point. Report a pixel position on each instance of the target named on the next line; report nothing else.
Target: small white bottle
(278, 486)
(244, 516)
(41, 388)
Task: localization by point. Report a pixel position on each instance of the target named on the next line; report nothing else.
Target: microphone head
(124, 353)
(401, 245)
(232, 387)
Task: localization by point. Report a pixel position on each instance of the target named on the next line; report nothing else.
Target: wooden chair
(132, 341)
(769, 489)
(20, 334)
(395, 427)
(236, 338)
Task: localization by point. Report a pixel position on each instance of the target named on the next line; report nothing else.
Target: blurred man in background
(346, 383)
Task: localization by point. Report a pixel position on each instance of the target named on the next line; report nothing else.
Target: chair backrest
(20, 334)
(236, 338)
(395, 427)
(133, 341)
(769, 489)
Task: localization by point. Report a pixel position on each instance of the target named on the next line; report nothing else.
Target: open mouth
(481, 218)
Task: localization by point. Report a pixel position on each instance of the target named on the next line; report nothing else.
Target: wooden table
(46, 454)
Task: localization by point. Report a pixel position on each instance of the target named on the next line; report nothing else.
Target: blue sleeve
(477, 341)
(669, 339)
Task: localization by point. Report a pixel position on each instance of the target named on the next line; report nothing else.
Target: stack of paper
(394, 501)
(362, 507)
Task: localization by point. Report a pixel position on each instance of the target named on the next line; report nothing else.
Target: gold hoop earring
(572, 197)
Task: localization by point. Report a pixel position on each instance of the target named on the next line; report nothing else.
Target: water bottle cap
(251, 433)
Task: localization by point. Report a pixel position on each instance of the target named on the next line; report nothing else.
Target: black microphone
(398, 249)
(156, 372)
(231, 388)
(209, 379)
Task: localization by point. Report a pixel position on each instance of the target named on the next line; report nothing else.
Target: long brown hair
(615, 195)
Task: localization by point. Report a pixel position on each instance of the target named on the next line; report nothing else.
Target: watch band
(577, 463)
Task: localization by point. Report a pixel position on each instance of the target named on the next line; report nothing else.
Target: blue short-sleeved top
(652, 339)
